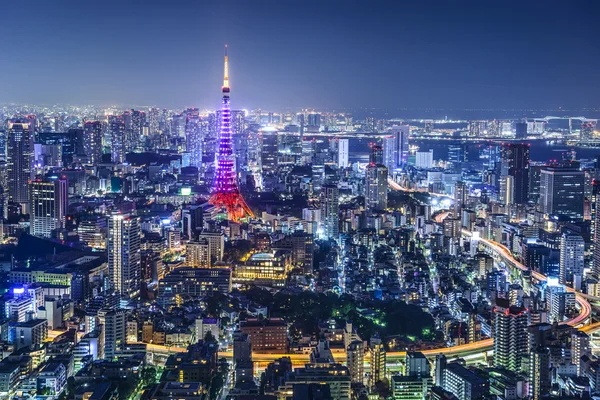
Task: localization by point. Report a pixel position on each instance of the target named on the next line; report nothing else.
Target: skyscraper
(515, 163)
(92, 141)
(226, 193)
(116, 127)
(400, 145)
(343, 153)
(510, 336)
(376, 187)
(19, 159)
(269, 150)
(124, 258)
(49, 206)
(461, 192)
(562, 193)
(572, 248)
(330, 208)
(194, 133)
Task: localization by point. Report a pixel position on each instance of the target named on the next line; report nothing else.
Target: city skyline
(304, 55)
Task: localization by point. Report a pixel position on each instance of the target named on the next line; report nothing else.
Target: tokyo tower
(226, 192)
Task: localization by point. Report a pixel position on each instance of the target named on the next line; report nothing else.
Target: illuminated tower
(225, 192)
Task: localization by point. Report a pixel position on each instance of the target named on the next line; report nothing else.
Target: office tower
(314, 120)
(376, 156)
(424, 159)
(376, 187)
(19, 159)
(225, 192)
(417, 364)
(139, 129)
(456, 154)
(515, 163)
(572, 249)
(194, 134)
(343, 153)
(378, 362)
(510, 336)
(178, 126)
(124, 259)
(330, 218)
(153, 122)
(461, 193)
(521, 130)
(561, 193)
(49, 206)
(115, 331)
(269, 151)
(116, 127)
(400, 145)
(355, 358)
(198, 254)
(92, 141)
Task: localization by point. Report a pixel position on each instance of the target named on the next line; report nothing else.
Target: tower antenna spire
(226, 70)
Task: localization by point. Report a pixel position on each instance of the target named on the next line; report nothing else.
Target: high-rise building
(19, 159)
(562, 193)
(198, 254)
(580, 346)
(572, 248)
(515, 163)
(195, 129)
(510, 336)
(124, 258)
(116, 127)
(269, 151)
(343, 153)
(92, 141)
(521, 130)
(399, 154)
(461, 193)
(115, 331)
(49, 206)
(540, 372)
(355, 359)
(330, 208)
(378, 362)
(376, 187)
(596, 223)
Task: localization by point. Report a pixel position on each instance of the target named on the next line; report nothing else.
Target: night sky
(291, 54)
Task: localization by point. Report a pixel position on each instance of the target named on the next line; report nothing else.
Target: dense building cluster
(190, 254)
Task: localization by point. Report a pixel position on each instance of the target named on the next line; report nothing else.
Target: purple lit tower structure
(225, 192)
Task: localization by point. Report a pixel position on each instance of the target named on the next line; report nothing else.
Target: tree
(149, 375)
